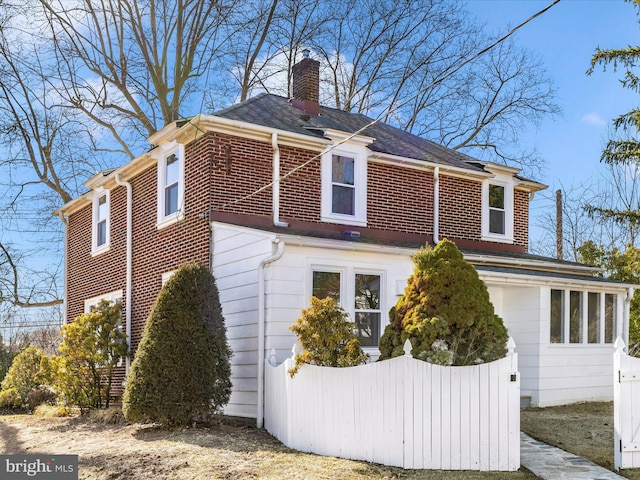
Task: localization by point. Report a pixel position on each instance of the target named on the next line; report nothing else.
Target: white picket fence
(400, 412)
(626, 408)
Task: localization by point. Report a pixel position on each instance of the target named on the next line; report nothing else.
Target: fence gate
(626, 408)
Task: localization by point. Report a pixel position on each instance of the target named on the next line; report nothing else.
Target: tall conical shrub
(445, 312)
(181, 369)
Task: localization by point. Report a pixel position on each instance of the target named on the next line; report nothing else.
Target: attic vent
(305, 118)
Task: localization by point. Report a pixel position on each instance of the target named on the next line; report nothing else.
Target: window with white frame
(100, 237)
(344, 186)
(497, 209)
(170, 185)
(358, 293)
(90, 304)
(166, 276)
(582, 317)
(497, 213)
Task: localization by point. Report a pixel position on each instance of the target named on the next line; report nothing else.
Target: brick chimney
(306, 85)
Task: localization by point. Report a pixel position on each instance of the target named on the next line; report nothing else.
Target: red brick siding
(404, 204)
(300, 193)
(89, 276)
(154, 251)
(249, 170)
(521, 218)
(460, 213)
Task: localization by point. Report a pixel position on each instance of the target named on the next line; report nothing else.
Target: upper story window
(497, 209)
(344, 185)
(101, 223)
(343, 189)
(358, 293)
(170, 185)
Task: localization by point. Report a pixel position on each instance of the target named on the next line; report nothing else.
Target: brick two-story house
(284, 199)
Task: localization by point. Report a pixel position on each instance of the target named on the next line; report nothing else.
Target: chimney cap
(305, 53)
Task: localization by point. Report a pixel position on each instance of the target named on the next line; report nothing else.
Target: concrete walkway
(551, 463)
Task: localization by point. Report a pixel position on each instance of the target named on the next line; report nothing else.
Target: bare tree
(135, 61)
(89, 80)
(399, 61)
(579, 225)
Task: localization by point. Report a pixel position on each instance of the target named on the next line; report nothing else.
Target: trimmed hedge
(181, 371)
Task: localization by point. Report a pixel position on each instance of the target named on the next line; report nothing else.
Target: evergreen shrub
(10, 398)
(22, 375)
(181, 371)
(92, 347)
(445, 312)
(327, 337)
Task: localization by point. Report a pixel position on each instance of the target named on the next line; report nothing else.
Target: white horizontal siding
(237, 253)
(519, 308)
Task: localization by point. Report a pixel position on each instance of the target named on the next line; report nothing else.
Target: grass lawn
(233, 450)
(225, 451)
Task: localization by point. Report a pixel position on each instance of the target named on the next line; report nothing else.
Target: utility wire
(392, 109)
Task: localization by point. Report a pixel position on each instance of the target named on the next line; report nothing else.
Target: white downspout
(129, 279)
(261, 326)
(436, 204)
(276, 182)
(627, 314)
(64, 267)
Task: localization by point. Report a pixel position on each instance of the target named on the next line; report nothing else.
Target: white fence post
(617, 403)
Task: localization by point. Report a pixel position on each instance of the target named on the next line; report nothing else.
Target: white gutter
(129, 279)
(436, 204)
(261, 326)
(276, 182)
(65, 266)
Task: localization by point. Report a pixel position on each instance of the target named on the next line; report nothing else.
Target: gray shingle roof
(277, 112)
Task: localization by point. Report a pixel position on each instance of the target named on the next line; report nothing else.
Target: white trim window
(344, 186)
(90, 304)
(166, 276)
(497, 209)
(358, 293)
(170, 185)
(101, 225)
(582, 317)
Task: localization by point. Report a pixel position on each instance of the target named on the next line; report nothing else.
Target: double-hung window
(497, 209)
(101, 223)
(344, 185)
(358, 293)
(170, 185)
(343, 188)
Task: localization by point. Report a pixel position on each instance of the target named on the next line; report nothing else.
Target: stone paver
(551, 463)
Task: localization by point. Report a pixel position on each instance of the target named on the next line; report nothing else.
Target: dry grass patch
(585, 429)
(224, 451)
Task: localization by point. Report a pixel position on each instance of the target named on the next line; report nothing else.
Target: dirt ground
(229, 450)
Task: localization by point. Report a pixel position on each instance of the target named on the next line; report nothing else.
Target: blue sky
(565, 37)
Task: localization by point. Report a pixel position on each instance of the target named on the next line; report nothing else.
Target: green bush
(10, 398)
(181, 370)
(92, 346)
(445, 312)
(22, 375)
(327, 337)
